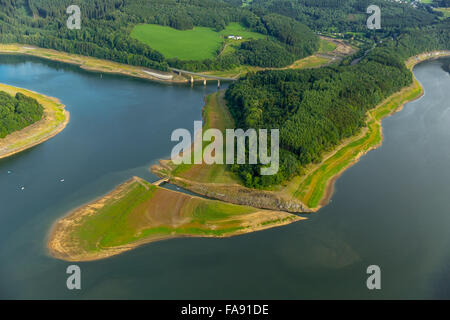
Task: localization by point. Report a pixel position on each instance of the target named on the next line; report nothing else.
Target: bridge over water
(205, 77)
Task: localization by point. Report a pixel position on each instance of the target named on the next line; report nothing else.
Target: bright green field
(197, 44)
(236, 29)
(445, 11)
(326, 46)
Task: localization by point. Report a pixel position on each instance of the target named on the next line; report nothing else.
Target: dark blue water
(391, 209)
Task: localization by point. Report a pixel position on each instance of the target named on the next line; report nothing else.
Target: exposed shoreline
(410, 63)
(54, 120)
(64, 243)
(171, 77)
(92, 64)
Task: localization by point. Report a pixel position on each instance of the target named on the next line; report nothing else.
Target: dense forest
(106, 26)
(347, 15)
(315, 109)
(17, 112)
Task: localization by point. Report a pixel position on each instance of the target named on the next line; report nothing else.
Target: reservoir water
(391, 209)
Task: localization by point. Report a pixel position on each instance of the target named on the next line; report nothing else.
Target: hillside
(106, 26)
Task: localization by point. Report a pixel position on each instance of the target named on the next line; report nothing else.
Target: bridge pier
(189, 76)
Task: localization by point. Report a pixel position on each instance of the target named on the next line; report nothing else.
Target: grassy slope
(215, 115)
(197, 44)
(138, 212)
(309, 62)
(326, 46)
(54, 121)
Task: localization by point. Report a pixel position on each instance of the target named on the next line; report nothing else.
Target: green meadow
(131, 217)
(445, 11)
(197, 44)
(326, 46)
(137, 212)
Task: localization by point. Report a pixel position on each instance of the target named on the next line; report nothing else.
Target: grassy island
(138, 212)
(53, 120)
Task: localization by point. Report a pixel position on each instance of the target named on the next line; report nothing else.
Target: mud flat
(54, 120)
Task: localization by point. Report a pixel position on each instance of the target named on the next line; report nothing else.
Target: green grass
(108, 227)
(326, 46)
(214, 211)
(197, 44)
(445, 11)
(236, 29)
(122, 220)
(216, 116)
(310, 62)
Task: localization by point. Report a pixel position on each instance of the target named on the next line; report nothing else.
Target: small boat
(9, 171)
(62, 180)
(22, 188)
